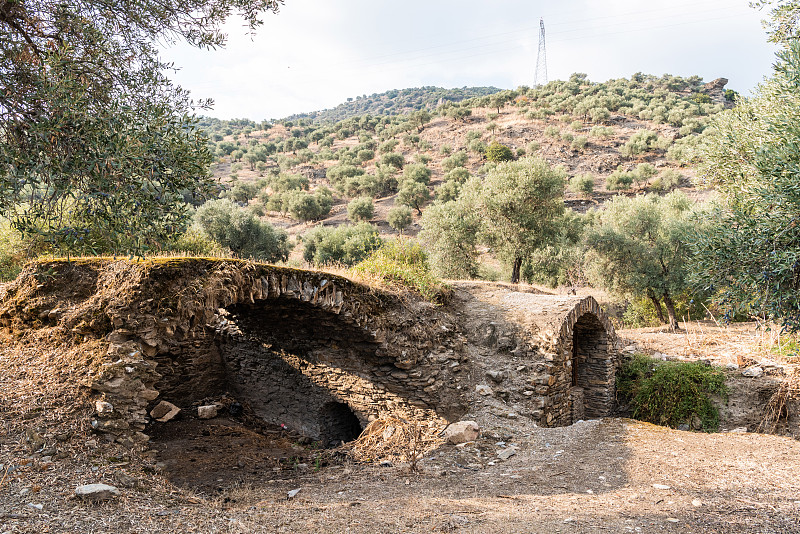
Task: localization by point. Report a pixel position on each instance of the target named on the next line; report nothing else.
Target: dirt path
(612, 475)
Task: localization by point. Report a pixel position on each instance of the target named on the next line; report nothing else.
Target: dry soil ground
(612, 475)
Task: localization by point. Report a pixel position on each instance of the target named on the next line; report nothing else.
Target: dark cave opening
(338, 424)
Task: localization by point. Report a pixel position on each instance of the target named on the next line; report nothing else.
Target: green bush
(671, 393)
(498, 152)
(344, 245)
(477, 146)
(360, 209)
(241, 232)
(196, 242)
(459, 159)
(619, 180)
(418, 173)
(582, 184)
(393, 159)
(667, 180)
(13, 251)
(639, 143)
(601, 131)
(399, 218)
(459, 174)
(448, 191)
(580, 142)
(402, 264)
(552, 131)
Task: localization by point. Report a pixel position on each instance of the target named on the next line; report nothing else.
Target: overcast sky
(314, 54)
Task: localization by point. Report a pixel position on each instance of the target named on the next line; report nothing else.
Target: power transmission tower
(541, 60)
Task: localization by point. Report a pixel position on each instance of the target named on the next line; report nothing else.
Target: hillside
(623, 136)
(394, 102)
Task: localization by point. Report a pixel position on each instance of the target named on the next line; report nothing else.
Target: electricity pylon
(541, 60)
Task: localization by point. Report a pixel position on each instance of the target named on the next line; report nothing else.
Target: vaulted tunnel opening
(292, 365)
(592, 390)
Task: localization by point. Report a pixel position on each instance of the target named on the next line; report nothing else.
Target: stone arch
(587, 340)
(293, 344)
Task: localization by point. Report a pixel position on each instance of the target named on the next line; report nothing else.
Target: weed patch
(671, 393)
(402, 265)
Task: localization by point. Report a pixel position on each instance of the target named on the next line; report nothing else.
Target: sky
(314, 54)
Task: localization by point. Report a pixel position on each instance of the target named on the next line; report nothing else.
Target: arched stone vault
(312, 350)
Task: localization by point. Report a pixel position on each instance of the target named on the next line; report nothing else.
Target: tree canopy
(750, 255)
(98, 150)
(639, 247)
(521, 202)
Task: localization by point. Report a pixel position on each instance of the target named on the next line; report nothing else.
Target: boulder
(461, 432)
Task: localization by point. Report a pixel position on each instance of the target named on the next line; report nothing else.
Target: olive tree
(639, 248)
(520, 202)
(749, 255)
(242, 232)
(97, 147)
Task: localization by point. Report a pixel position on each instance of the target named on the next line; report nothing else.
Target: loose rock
(462, 432)
(483, 389)
(96, 492)
(207, 412)
(753, 372)
(164, 411)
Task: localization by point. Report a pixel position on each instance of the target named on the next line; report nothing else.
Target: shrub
(418, 173)
(601, 131)
(671, 393)
(498, 152)
(579, 143)
(638, 143)
(582, 184)
(619, 180)
(643, 172)
(304, 206)
(552, 131)
(576, 125)
(399, 218)
(448, 191)
(459, 159)
(388, 146)
(402, 264)
(345, 245)
(393, 159)
(241, 232)
(458, 175)
(446, 150)
(477, 146)
(14, 250)
(360, 209)
(196, 242)
(667, 180)
(533, 147)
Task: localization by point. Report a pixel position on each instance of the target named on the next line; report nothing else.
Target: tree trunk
(515, 270)
(656, 304)
(673, 321)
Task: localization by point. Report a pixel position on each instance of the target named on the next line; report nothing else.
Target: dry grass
(777, 407)
(395, 439)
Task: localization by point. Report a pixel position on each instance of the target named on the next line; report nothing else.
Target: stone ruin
(312, 351)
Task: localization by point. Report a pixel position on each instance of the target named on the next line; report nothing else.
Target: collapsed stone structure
(315, 352)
